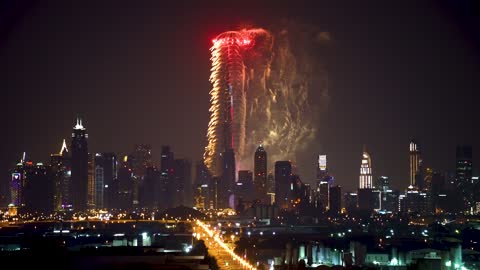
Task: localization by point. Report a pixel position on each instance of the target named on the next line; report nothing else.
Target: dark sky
(138, 72)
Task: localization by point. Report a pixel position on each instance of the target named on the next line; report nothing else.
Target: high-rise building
(335, 200)
(19, 180)
(183, 182)
(227, 183)
(322, 171)
(16, 187)
(141, 159)
(260, 172)
(245, 187)
(38, 190)
(106, 177)
(91, 185)
(383, 183)
(271, 183)
(124, 196)
(227, 128)
(464, 164)
(213, 193)
(463, 178)
(389, 201)
(323, 194)
(99, 182)
(150, 189)
(79, 180)
(167, 177)
(415, 165)
(366, 171)
(368, 199)
(201, 173)
(61, 173)
(283, 175)
(202, 179)
(414, 201)
(351, 202)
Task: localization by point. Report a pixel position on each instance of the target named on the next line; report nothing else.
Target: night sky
(138, 73)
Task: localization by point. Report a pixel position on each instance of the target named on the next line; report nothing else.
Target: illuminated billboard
(322, 162)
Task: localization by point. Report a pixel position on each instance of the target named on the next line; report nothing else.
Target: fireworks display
(260, 94)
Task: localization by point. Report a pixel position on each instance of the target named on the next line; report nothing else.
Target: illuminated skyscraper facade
(106, 179)
(79, 178)
(19, 180)
(322, 171)
(366, 171)
(415, 165)
(91, 186)
(99, 182)
(61, 172)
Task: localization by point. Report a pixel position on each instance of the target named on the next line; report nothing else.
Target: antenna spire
(64, 148)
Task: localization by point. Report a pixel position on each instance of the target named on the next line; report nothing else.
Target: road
(223, 252)
(224, 259)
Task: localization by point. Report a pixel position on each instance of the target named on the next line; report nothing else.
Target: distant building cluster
(429, 191)
(76, 180)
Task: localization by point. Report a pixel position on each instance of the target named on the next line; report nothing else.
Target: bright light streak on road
(219, 241)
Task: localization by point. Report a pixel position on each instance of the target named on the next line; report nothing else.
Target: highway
(226, 258)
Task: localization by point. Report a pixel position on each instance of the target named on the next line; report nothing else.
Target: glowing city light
(224, 246)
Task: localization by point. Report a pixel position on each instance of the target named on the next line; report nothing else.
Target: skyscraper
(183, 182)
(322, 171)
(383, 183)
(16, 187)
(167, 177)
(415, 165)
(335, 200)
(39, 190)
(464, 164)
(463, 177)
(323, 195)
(150, 196)
(19, 180)
(244, 188)
(260, 172)
(366, 171)
(143, 158)
(229, 102)
(202, 179)
(227, 183)
(283, 175)
(79, 180)
(106, 171)
(61, 173)
(91, 186)
(124, 196)
(201, 173)
(99, 182)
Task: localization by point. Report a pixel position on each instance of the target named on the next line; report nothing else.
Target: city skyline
(276, 134)
(103, 101)
(155, 160)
